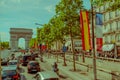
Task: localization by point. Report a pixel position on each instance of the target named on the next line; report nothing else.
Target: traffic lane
(46, 65)
(28, 76)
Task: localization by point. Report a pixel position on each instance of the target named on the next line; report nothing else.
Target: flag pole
(93, 43)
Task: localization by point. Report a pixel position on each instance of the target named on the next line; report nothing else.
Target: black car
(33, 66)
(4, 62)
(26, 59)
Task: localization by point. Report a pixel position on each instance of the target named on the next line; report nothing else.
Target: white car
(46, 75)
(13, 63)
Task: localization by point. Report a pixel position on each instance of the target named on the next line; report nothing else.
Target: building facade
(111, 30)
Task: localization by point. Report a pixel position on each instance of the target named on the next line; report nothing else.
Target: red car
(33, 66)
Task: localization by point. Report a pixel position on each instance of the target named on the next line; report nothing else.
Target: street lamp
(93, 42)
(64, 50)
(0, 59)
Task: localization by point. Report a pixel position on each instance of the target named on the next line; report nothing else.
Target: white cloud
(50, 8)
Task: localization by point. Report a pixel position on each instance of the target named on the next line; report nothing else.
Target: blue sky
(25, 13)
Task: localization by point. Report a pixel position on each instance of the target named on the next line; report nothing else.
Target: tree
(4, 45)
(69, 13)
(31, 43)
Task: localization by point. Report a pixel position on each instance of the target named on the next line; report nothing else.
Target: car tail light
(16, 76)
(28, 66)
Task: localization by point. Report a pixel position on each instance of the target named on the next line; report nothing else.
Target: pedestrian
(55, 68)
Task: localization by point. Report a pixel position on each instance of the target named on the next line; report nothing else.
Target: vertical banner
(99, 19)
(84, 24)
(99, 24)
(99, 42)
(99, 32)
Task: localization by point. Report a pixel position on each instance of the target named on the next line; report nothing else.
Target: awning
(108, 47)
(68, 43)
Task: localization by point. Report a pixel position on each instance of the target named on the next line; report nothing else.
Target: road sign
(64, 49)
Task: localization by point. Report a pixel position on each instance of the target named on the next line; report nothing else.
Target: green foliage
(69, 13)
(66, 17)
(4, 45)
(31, 43)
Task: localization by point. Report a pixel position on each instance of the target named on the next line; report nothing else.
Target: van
(26, 59)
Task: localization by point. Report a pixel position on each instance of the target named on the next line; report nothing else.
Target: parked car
(13, 63)
(33, 66)
(10, 73)
(26, 59)
(46, 75)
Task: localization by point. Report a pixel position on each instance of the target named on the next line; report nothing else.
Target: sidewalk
(67, 71)
(81, 73)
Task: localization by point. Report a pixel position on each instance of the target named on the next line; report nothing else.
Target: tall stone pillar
(16, 44)
(26, 44)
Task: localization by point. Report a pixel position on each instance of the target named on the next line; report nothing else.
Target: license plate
(34, 70)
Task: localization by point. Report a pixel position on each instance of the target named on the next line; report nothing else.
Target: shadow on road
(62, 76)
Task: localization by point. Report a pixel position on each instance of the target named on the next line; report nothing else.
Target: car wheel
(29, 71)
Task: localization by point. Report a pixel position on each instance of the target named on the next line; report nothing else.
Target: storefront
(109, 50)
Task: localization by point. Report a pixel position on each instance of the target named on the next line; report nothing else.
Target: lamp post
(93, 42)
(38, 38)
(0, 60)
(64, 50)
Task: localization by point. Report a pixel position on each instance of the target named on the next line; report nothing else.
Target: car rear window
(26, 58)
(9, 72)
(34, 64)
(12, 63)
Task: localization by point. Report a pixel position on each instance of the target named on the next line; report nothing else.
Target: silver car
(46, 75)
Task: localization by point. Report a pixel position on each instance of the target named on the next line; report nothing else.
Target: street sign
(64, 49)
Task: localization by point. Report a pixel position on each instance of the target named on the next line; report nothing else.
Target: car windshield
(34, 64)
(26, 58)
(9, 72)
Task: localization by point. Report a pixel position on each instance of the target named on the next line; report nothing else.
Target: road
(80, 74)
(5, 53)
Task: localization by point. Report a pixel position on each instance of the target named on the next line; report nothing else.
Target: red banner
(99, 42)
(84, 24)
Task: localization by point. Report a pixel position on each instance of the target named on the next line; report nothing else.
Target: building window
(110, 26)
(110, 13)
(119, 38)
(104, 17)
(118, 24)
(117, 27)
(116, 13)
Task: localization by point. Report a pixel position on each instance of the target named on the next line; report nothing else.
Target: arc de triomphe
(16, 33)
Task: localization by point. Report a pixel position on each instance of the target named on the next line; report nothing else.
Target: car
(10, 73)
(46, 75)
(13, 63)
(4, 62)
(25, 59)
(33, 66)
(36, 54)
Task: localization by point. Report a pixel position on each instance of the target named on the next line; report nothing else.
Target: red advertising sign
(99, 42)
